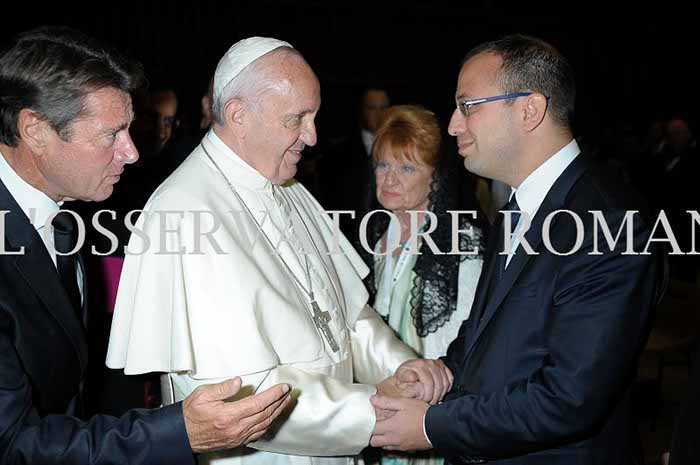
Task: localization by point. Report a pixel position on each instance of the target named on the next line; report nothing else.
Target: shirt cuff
(425, 433)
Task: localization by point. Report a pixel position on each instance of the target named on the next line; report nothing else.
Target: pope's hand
(213, 424)
(434, 376)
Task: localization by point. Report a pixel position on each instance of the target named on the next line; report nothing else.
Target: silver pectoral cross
(321, 320)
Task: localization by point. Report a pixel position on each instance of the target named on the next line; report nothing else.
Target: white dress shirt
(367, 141)
(535, 187)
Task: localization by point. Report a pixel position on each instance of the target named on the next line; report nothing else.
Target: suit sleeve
(598, 324)
(138, 437)
(455, 351)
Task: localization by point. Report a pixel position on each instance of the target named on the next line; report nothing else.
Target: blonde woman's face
(402, 184)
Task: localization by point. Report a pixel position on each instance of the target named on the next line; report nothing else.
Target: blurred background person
(423, 296)
(374, 103)
(346, 169)
(676, 170)
(164, 102)
(207, 112)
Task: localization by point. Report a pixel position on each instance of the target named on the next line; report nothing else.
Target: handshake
(402, 401)
(214, 423)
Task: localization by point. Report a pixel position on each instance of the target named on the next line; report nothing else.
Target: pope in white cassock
(234, 275)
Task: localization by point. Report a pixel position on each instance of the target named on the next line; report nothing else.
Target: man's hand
(434, 375)
(401, 426)
(213, 424)
(392, 387)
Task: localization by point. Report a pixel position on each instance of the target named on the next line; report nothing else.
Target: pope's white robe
(204, 299)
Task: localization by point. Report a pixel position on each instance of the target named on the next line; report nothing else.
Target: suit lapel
(37, 269)
(554, 200)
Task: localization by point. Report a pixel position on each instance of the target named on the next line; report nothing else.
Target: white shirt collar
(237, 169)
(34, 203)
(535, 187)
(367, 140)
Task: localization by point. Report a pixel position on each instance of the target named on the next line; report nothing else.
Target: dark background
(632, 62)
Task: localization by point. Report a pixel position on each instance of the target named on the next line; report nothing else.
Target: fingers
(256, 436)
(417, 370)
(381, 440)
(440, 382)
(272, 394)
(433, 375)
(258, 425)
(428, 381)
(386, 403)
(264, 419)
(258, 403)
(220, 391)
(407, 376)
(447, 378)
(388, 387)
(411, 390)
(212, 424)
(444, 381)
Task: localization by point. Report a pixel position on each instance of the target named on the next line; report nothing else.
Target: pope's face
(283, 124)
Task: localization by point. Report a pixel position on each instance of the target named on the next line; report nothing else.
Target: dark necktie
(511, 206)
(500, 264)
(65, 238)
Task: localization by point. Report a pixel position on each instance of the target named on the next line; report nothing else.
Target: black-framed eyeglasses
(466, 106)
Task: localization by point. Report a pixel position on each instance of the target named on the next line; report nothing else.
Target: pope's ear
(33, 131)
(235, 113)
(534, 109)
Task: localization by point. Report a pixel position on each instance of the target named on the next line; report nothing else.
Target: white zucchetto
(240, 55)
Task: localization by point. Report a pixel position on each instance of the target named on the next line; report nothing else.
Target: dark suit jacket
(43, 358)
(543, 378)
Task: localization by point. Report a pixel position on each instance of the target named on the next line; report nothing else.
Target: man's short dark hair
(50, 70)
(533, 65)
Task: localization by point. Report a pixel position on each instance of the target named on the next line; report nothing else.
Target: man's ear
(236, 114)
(33, 131)
(534, 109)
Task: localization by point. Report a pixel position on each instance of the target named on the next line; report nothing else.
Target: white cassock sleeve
(376, 351)
(326, 417)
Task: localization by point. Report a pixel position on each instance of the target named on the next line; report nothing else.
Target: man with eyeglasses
(544, 364)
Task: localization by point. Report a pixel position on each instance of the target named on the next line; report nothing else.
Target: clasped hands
(402, 401)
